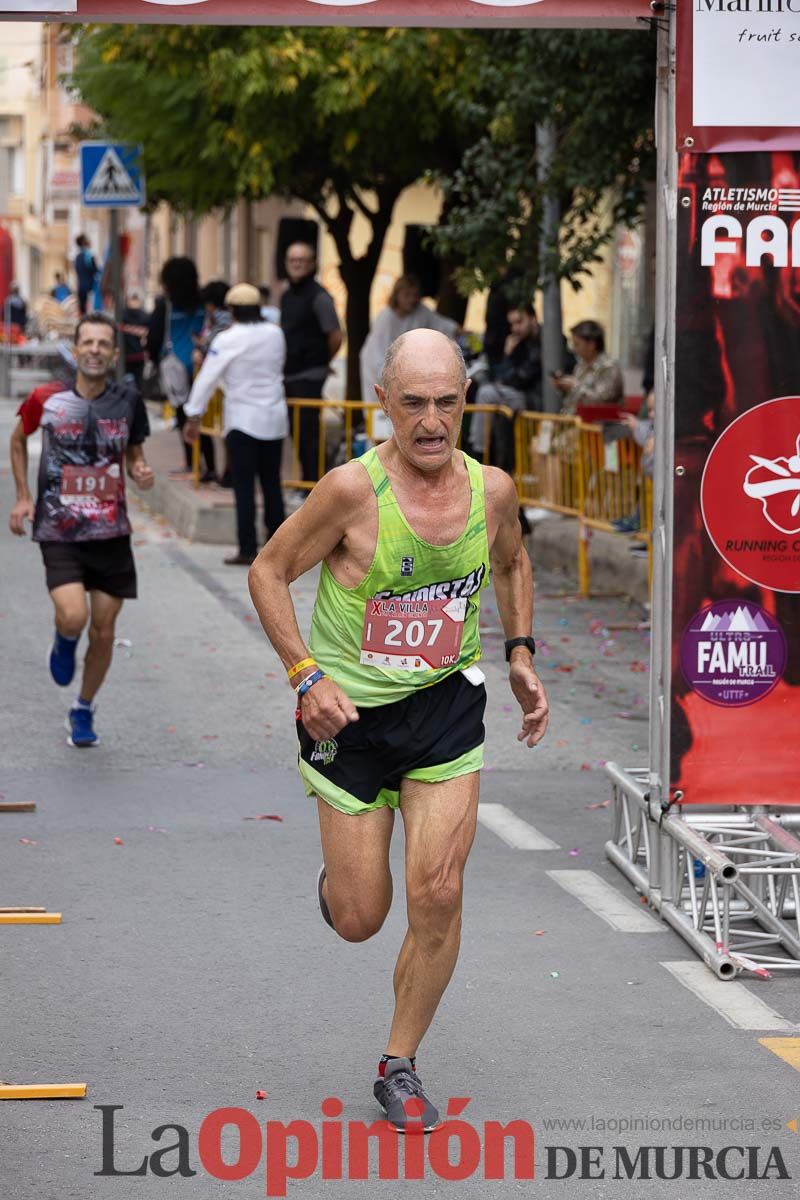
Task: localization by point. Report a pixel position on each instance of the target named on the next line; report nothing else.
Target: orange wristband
(301, 666)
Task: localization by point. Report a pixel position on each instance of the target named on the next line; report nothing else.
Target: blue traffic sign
(111, 175)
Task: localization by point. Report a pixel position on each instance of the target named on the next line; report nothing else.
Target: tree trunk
(552, 319)
(358, 273)
(450, 302)
(357, 276)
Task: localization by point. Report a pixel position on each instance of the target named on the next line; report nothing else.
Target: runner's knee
(434, 899)
(355, 926)
(102, 636)
(71, 619)
(357, 921)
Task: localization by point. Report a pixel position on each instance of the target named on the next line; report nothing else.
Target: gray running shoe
(399, 1085)
(323, 908)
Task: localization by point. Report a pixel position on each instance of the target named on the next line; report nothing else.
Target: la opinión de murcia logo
(285, 1152)
(775, 483)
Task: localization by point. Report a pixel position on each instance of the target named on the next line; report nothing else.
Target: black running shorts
(102, 566)
(434, 734)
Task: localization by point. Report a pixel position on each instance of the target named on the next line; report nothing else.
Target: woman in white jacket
(246, 361)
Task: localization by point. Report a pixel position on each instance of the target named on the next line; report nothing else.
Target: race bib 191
(412, 635)
(91, 487)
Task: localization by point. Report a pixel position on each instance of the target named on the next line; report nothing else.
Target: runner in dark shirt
(92, 434)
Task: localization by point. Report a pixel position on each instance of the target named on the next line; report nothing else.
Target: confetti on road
(540, 932)
(264, 817)
(574, 852)
(118, 841)
(261, 1095)
(599, 804)
(155, 829)
(28, 842)
(555, 975)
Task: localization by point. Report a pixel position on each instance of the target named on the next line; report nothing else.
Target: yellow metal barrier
(336, 432)
(212, 424)
(560, 463)
(548, 474)
(569, 467)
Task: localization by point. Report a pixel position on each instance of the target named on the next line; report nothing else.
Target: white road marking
(738, 1006)
(512, 829)
(604, 900)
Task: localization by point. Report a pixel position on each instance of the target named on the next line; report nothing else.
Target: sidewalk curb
(553, 545)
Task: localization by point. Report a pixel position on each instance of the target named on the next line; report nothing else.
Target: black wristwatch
(520, 641)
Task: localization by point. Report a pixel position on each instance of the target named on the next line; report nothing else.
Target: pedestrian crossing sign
(111, 176)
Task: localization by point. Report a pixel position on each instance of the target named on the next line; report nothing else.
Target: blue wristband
(308, 683)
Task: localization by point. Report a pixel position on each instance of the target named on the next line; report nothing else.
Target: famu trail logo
(325, 752)
(733, 653)
(454, 589)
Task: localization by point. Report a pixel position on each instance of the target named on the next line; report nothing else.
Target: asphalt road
(192, 968)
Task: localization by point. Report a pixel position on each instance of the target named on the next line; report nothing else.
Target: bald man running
(390, 701)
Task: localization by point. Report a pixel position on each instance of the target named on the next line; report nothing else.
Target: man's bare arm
(513, 585)
(308, 537)
(24, 508)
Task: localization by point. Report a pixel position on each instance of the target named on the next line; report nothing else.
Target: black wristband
(528, 642)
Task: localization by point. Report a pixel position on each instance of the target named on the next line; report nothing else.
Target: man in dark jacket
(313, 338)
(517, 384)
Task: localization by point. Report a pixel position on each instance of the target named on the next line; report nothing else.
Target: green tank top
(406, 568)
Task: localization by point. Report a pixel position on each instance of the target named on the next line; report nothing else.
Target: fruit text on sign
(412, 635)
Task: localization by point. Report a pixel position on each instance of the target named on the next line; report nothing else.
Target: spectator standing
(176, 322)
(597, 378)
(517, 384)
(247, 362)
(404, 311)
(86, 270)
(16, 309)
(135, 325)
(217, 317)
(313, 338)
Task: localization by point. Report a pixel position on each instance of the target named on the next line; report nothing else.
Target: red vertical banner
(736, 567)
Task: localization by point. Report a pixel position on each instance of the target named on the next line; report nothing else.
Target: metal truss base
(727, 880)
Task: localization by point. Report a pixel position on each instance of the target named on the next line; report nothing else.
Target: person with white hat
(246, 361)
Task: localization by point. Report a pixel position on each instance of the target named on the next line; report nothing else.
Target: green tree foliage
(343, 119)
(598, 89)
